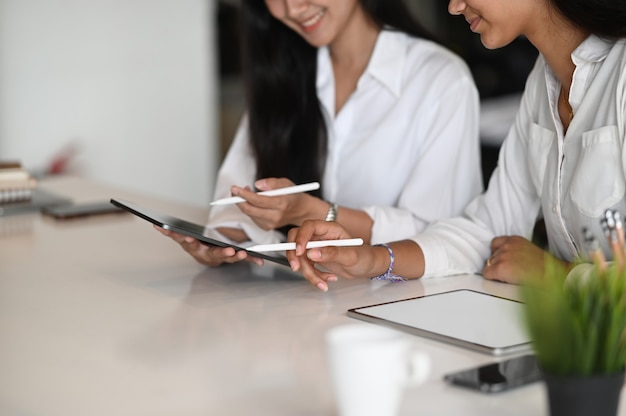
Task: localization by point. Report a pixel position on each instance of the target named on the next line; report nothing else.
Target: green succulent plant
(578, 326)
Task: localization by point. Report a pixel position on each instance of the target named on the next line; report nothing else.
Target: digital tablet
(197, 231)
(466, 318)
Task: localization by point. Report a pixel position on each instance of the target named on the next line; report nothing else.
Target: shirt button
(554, 209)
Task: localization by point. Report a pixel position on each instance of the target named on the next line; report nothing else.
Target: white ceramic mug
(370, 368)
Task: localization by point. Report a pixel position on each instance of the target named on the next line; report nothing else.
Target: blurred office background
(120, 91)
(147, 94)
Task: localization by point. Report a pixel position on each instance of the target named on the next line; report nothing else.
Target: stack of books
(16, 183)
(20, 193)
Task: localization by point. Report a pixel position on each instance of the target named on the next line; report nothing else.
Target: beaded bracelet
(389, 275)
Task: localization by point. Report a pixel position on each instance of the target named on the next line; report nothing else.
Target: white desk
(105, 316)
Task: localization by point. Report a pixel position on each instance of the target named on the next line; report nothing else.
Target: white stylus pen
(305, 187)
(311, 244)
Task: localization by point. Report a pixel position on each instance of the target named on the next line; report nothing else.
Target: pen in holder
(613, 229)
(576, 317)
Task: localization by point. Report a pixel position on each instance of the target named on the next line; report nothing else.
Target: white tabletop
(104, 316)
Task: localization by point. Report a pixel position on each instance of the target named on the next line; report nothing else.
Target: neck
(556, 38)
(355, 43)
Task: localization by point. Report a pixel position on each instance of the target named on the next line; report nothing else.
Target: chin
(494, 42)
(490, 44)
(316, 42)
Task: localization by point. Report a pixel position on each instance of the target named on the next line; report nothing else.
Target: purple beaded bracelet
(389, 275)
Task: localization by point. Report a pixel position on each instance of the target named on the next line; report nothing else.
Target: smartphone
(500, 376)
(70, 211)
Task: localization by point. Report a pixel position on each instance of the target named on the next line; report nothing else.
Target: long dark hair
(605, 18)
(287, 128)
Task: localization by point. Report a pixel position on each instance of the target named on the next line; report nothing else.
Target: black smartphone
(69, 211)
(500, 376)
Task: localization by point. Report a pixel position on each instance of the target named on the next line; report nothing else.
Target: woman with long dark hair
(564, 158)
(356, 95)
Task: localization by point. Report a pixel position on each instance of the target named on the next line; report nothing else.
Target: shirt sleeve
(509, 206)
(447, 174)
(238, 168)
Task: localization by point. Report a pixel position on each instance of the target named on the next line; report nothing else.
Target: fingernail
(314, 254)
(294, 265)
(234, 191)
(332, 279)
(322, 286)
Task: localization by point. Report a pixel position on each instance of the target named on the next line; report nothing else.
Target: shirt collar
(387, 62)
(592, 49)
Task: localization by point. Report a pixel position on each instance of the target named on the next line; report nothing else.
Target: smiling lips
(473, 22)
(312, 23)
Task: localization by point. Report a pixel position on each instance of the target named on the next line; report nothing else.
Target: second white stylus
(305, 187)
(311, 244)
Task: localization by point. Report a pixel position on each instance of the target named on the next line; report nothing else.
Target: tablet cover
(466, 318)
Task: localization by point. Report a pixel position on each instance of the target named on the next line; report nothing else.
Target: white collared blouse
(570, 179)
(404, 147)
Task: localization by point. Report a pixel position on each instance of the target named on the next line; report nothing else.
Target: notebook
(465, 318)
(40, 199)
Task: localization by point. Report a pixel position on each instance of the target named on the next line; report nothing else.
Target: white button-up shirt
(570, 179)
(404, 147)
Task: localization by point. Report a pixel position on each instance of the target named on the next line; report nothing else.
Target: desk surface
(104, 316)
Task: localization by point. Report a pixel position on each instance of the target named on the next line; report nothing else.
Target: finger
(323, 254)
(316, 277)
(214, 256)
(491, 271)
(255, 260)
(267, 184)
(317, 230)
(254, 199)
(498, 242)
(235, 257)
(161, 230)
(175, 236)
(301, 236)
(192, 246)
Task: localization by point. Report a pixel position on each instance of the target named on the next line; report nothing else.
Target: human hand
(348, 262)
(208, 255)
(273, 212)
(514, 259)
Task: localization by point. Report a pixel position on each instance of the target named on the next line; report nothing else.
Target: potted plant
(578, 328)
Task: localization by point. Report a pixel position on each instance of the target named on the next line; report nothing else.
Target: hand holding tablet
(201, 233)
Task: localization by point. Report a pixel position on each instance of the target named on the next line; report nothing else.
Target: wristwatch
(332, 212)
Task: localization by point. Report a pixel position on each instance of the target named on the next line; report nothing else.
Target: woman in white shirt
(355, 95)
(564, 157)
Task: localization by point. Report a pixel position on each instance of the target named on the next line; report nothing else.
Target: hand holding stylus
(279, 203)
(288, 190)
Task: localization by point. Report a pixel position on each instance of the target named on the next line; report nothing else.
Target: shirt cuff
(435, 256)
(392, 224)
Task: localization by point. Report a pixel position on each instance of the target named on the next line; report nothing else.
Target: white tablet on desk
(466, 318)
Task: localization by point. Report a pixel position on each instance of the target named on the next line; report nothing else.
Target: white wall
(131, 82)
